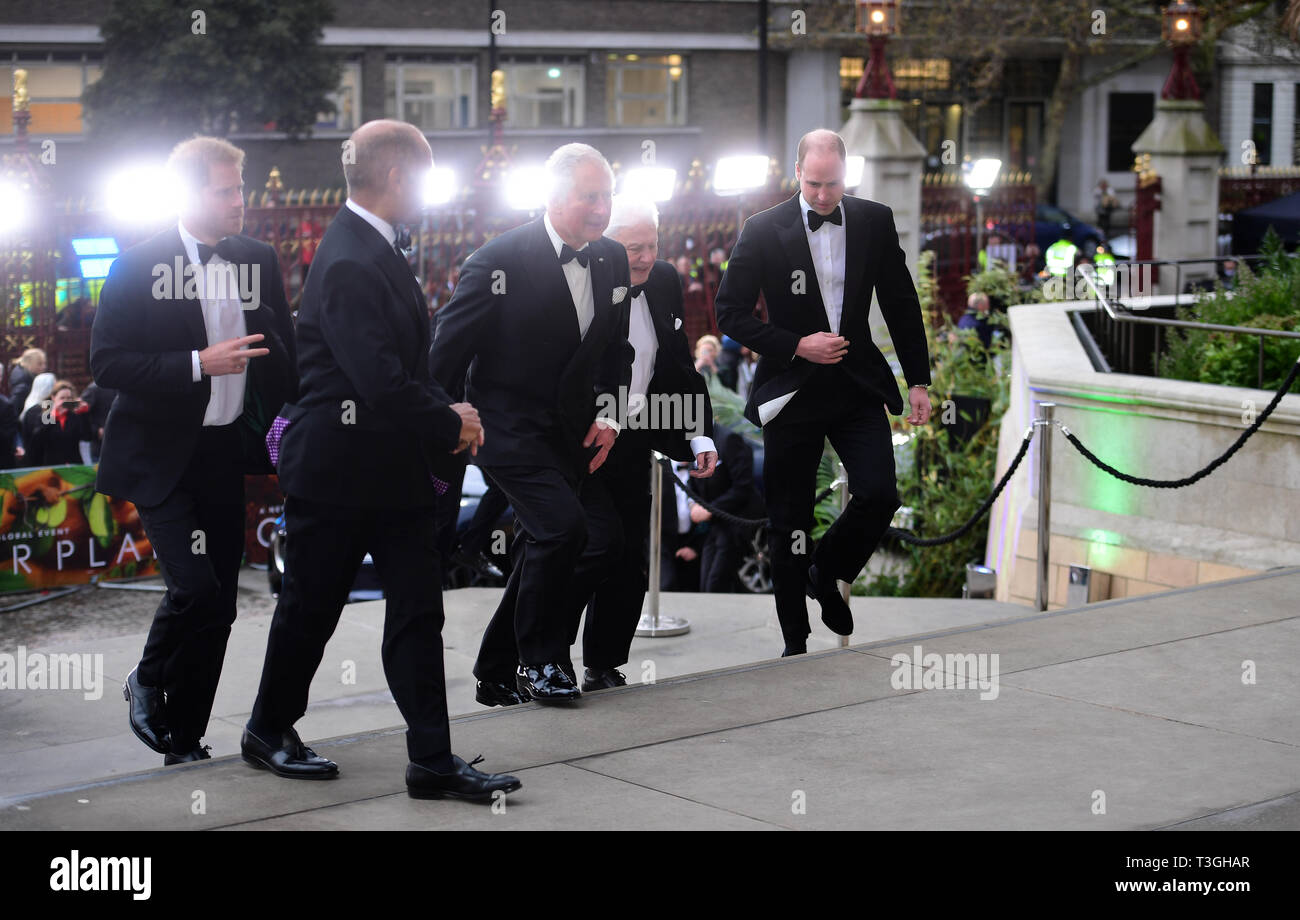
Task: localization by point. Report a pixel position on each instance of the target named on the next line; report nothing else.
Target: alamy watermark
(228, 281)
(657, 412)
(24, 670)
(951, 671)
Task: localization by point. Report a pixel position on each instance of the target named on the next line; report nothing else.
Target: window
(1261, 123)
(1128, 116)
(645, 90)
(544, 92)
(347, 101)
(432, 95)
(54, 87)
(986, 129)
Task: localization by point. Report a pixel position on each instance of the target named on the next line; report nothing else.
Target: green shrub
(1267, 297)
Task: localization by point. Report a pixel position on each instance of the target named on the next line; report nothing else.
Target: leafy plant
(1267, 297)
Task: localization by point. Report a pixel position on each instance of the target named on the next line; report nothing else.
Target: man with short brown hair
(194, 333)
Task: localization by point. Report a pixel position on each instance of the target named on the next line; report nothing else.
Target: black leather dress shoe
(147, 713)
(491, 693)
(835, 612)
(199, 753)
(463, 783)
(478, 562)
(790, 652)
(547, 683)
(286, 756)
(602, 679)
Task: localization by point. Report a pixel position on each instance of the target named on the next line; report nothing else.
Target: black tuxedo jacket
(370, 426)
(772, 247)
(140, 345)
(674, 371)
(512, 327)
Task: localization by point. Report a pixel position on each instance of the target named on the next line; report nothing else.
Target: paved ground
(1173, 710)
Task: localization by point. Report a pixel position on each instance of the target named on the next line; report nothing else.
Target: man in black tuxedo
(357, 460)
(816, 258)
(176, 317)
(538, 322)
(669, 411)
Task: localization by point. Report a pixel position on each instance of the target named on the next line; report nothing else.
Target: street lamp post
(1181, 27)
(877, 19)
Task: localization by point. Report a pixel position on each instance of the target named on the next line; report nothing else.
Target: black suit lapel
(603, 310)
(551, 288)
(794, 241)
(856, 237)
(191, 307)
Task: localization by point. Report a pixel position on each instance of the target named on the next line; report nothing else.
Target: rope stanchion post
(846, 589)
(652, 625)
(1044, 500)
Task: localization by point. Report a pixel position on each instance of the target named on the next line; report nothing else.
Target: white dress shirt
(579, 279)
(827, 247)
(645, 342)
(223, 318)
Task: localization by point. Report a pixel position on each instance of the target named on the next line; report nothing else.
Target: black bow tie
(815, 220)
(635, 291)
(403, 241)
(567, 252)
(222, 249)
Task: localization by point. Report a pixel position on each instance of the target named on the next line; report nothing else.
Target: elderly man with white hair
(669, 411)
(536, 331)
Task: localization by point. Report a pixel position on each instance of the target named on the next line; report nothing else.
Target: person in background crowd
(100, 400)
(976, 318)
(53, 430)
(10, 424)
(26, 369)
(731, 489)
(1032, 264)
(729, 363)
(1105, 203)
(745, 372)
(707, 348)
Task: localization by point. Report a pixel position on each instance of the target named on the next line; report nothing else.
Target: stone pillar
(1185, 154)
(894, 159)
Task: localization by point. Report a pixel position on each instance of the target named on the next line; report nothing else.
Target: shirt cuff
(194, 365)
(701, 444)
(606, 422)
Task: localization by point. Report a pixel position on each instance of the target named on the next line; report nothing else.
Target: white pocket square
(677, 323)
(619, 294)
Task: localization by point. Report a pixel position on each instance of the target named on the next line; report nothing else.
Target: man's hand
(707, 461)
(602, 436)
(920, 401)
(822, 348)
(700, 514)
(686, 554)
(471, 429)
(230, 356)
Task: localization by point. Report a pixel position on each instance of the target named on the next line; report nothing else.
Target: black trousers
(566, 539)
(858, 428)
(197, 533)
(325, 545)
(491, 505)
(615, 605)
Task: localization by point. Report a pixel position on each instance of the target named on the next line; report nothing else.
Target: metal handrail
(1119, 313)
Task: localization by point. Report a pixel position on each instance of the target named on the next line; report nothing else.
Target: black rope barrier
(1208, 468)
(904, 535)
